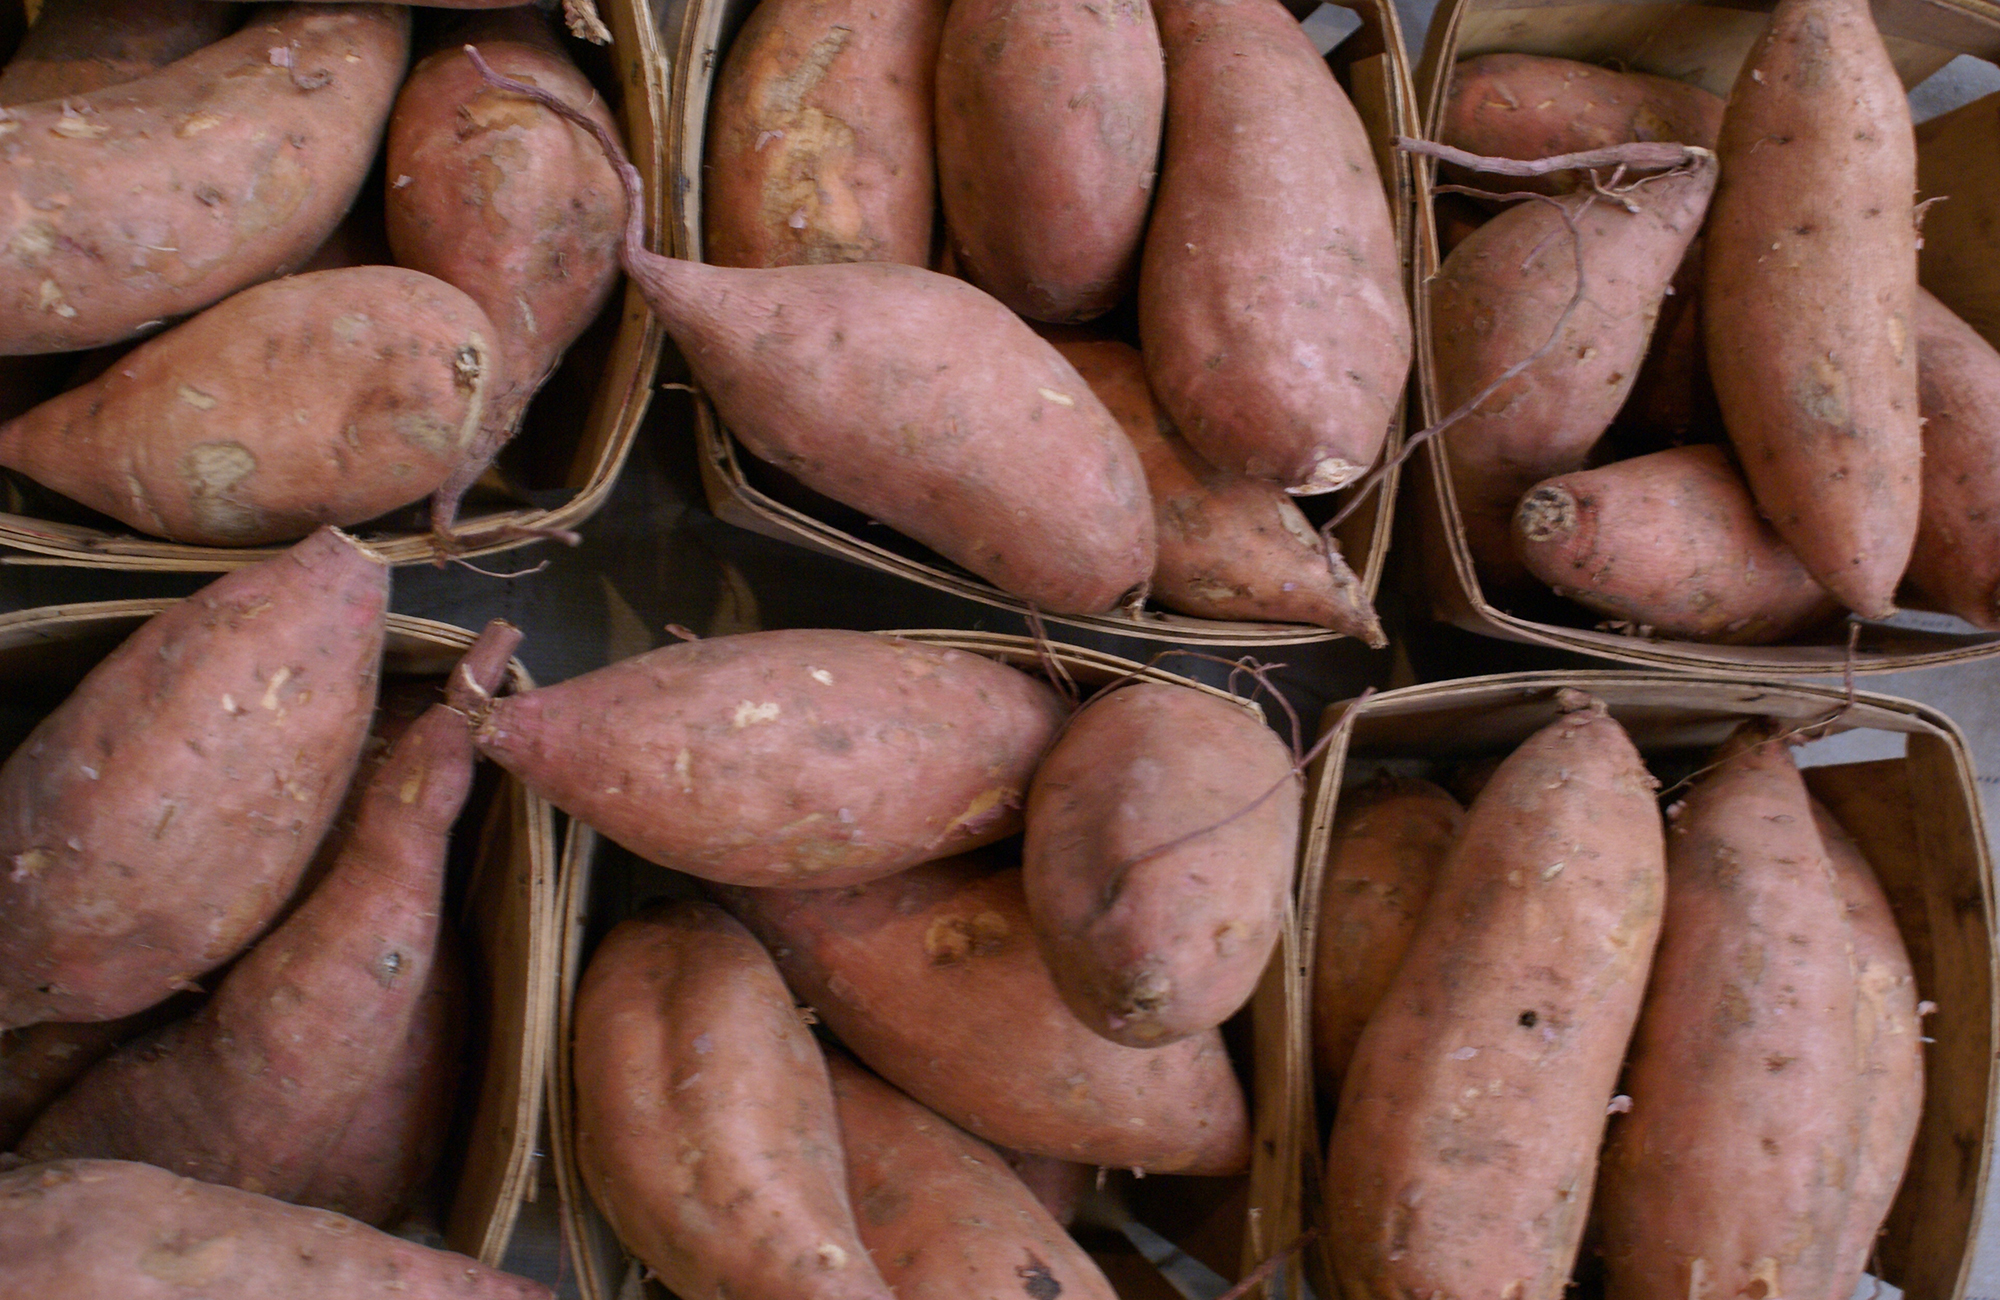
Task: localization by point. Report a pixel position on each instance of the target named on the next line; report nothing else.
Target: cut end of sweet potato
(1547, 514)
(1327, 475)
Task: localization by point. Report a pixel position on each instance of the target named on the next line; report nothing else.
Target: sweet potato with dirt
(111, 1228)
(77, 46)
(329, 398)
(158, 819)
(1809, 295)
(1271, 303)
(1497, 301)
(238, 1094)
(1048, 142)
(1388, 842)
(1673, 542)
(1466, 1142)
(1162, 833)
(1955, 565)
(156, 198)
(933, 978)
(819, 136)
(1231, 547)
(806, 757)
(705, 1125)
(1731, 1173)
(940, 1211)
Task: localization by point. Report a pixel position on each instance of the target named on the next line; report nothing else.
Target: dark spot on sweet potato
(1037, 1281)
(1528, 1019)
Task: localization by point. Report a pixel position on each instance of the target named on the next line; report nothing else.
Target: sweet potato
(1672, 402)
(705, 1124)
(1388, 842)
(77, 46)
(1271, 303)
(814, 758)
(932, 978)
(1956, 261)
(819, 136)
(1496, 301)
(1060, 1185)
(941, 1213)
(1466, 1141)
(1231, 547)
(1809, 292)
(1730, 1174)
(161, 196)
(40, 1062)
(158, 819)
(109, 1228)
(1048, 128)
(328, 398)
(1162, 832)
(1673, 542)
(1955, 565)
(240, 1093)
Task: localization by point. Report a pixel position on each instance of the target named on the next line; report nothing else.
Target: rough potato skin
(1809, 296)
(158, 819)
(1671, 541)
(705, 1124)
(40, 1062)
(1466, 1140)
(1231, 547)
(1733, 1166)
(1497, 299)
(109, 1228)
(805, 757)
(158, 197)
(77, 46)
(328, 398)
(933, 979)
(1048, 122)
(1388, 842)
(1155, 911)
(1271, 304)
(1955, 565)
(941, 1212)
(819, 136)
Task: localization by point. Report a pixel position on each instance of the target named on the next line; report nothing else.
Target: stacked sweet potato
(1748, 417)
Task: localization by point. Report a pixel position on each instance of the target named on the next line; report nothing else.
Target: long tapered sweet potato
(158, 197)
(1956, 561)
(1465, 1145)
(1730, 1175)
(1671, 541)
(804, 757)
(1048, 127)
(932, 977)
(1271, 308)
(238, 1094)
(157, 820)
(328, 398)
(940, 1211)
(705, 1124)
(112, 1228)
(819, 136)
(1231, 547)
(1388, 843)
(1162, 831)
(77, 46)
(1809, 296)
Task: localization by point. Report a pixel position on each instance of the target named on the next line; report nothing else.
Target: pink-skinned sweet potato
(1162, 833)
(1955, 565)
(1271, 303)
(238, 1094)
(159, 818)
(1048, 138)
(581, 15)
(1465, 1146)
(804, 757)
(933, 978)
(77, 46)
(329, 398)
(940, 1211)
(1231, 547)
(1730, 1175)
(38, 1063)
(1809, 295)
(819, 136)
(1672, 542)
(1060, 1185)
(705, 1124)
(156, 198)
(113, 1228)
